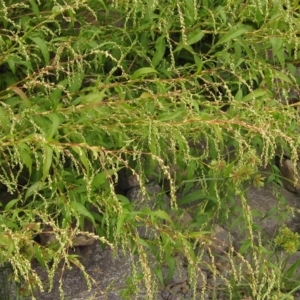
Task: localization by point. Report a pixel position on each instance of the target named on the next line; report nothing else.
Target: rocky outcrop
(85, 238)
(218, 260)
(291, 179)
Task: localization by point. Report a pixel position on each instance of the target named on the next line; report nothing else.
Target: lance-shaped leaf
(232, 34)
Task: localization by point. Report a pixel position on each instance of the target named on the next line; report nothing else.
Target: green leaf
(55, 95)
(71, 18)
(194, 37)
(199, 64)
(34, 7)
(38, 255)
(82, 156)
(142, 72)
(271, 212)
(55, 124)
(194, 196)
(101, 178)
(121, 220)
(76, 82)
(11, 203)
(188, 48)
(48, 155)
(10, 224)
(4, 121)
(282, 76)
(8, 244)
(93, 97)
(219, 135)
(292, 69)
(246, 48)
(124, 200)
(160, 46)
(245, 246)
(190, 7)
(291, 271)
(143, 242)
(43, 47)
(161, 214)
(170, 116)
(37, 186)
(239, 95)
(171, 267)
(12, 65)
(232, 34)
(81, 209)
(270, 178)
(159, 274)
(22, 95)
(278, 50)
(254, 95)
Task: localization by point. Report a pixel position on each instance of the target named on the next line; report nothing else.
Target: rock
(177, 291)
(8, 287)
(108, 272)
(180, 272)
(183, 218)
(155, 198)
(86, 238)
(269, 212)
(205, 263)
(215, 282)
(289, 259)
(83, 240)
(221, 240)
(201, 279)
(291, 180)
(126, 180)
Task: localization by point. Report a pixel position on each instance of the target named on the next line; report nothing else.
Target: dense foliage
(88, 88)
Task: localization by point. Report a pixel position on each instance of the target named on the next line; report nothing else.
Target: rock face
(109, 272)
(87, 238)
(291, 180)
(221, 240)
(268, 212)
(154, 198)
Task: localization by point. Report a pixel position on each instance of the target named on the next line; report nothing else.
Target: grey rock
(269, 212)
(291, 180)
(183, 218)
(180, 272)
(221, 240)
(126, 181)
(165, 293)
(153, 198)
(289, 259)
(201, 279)
(8, 288)
(205, 263)
(109, 274)
(218, 281)
(178, 291)
(85, 238)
